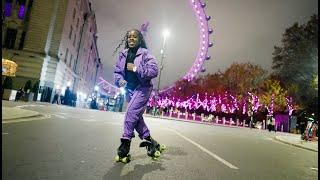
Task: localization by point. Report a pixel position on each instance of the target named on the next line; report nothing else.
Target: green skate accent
(124, 160)
(162, 148)
(157, 154)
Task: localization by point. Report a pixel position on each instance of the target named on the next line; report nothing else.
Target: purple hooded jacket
(146, 64)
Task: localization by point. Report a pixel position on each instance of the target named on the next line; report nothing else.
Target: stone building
(53, 41)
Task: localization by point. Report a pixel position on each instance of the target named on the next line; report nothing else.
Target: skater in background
(274, 125)
(134, 70)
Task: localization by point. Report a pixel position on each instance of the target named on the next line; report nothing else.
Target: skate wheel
(124, 160)
(117, 158)
(155, 159)
(163, 147)
(157, 154)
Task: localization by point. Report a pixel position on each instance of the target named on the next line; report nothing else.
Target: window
(74, 39)
(21, 12)
(78, 23)
(27, 16)
(10, 38)
(7, 8)
(70, 62)
(70, 34)
(74, 13)
(23, 36)
(66, 55)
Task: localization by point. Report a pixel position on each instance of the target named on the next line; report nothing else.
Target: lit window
(74, 13)
(70, 34)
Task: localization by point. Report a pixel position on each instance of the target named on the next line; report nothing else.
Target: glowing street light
(96, 88)
(165, 34)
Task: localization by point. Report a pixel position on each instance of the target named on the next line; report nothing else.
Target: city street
(80, 144)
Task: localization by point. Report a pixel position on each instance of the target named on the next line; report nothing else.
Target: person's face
(133, 39)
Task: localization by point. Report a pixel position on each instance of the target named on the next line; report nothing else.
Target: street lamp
(165, 35)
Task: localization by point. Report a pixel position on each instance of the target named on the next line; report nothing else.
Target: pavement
(14, 113)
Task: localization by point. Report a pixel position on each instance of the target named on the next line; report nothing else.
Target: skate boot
(123, 151)
(154, 149)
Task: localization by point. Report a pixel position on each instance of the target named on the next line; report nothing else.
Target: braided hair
(141, 41)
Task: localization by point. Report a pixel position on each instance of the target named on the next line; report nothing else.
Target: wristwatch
(134, 69)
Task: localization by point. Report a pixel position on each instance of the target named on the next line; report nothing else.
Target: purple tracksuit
(147, 69)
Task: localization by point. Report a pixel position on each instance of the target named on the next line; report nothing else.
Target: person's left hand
(131, 67)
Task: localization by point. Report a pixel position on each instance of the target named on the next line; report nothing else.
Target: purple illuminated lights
(21, 12)
(7, 9)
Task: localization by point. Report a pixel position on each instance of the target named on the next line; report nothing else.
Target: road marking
(113, 123)
(5, 133)
(271, 139)
(59, 116)
(28, 105)
(88, 120)
(206, 150)
(315, 169)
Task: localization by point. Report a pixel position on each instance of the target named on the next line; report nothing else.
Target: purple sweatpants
(137, 101)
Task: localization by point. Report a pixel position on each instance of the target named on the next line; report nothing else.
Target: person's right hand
(122, 83)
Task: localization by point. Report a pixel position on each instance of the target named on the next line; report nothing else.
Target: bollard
(179, 114)
(194, 116)
(237, 122)
(186, 115)
(244, 123)
(217, 119)
(264, 124)
(282, 128)
(230, 122)
(202, 118)
(223, 120)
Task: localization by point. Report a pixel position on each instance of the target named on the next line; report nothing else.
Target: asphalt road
(80, 144)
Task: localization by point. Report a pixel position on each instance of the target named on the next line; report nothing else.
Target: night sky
(244, 30)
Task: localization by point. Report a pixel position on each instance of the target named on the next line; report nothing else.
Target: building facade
(46, 39)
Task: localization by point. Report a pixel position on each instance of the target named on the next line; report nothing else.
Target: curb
(32, 116)
(25, 113)
(302, 147)
(196, 122)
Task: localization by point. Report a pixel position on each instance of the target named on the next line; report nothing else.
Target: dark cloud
(244, 30)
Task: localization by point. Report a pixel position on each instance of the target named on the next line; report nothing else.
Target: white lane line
(206, 150)
(113, 123)
(59, 116)
(315, 169)
(5, 133)
(88, 120)
(28, 105)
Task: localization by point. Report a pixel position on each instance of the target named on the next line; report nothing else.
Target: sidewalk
(295, 140)
(10, 113)
(288, 138)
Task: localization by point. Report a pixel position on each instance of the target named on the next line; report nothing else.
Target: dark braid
(124, 39)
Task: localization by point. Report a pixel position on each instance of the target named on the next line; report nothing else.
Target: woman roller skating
(134, 70)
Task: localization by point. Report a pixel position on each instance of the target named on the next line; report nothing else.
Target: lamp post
(165, 35)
